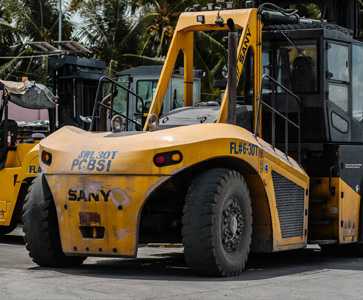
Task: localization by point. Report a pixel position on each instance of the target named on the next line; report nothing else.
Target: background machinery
(32, 112)
(18, 158)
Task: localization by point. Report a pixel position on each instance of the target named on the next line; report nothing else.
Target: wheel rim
(232, 225)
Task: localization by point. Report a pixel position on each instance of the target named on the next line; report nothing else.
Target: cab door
(338, 91)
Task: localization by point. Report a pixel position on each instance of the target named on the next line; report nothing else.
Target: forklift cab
(321, 64)
(8, 128)
(17, 128)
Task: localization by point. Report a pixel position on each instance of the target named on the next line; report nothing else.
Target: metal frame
(99, 103)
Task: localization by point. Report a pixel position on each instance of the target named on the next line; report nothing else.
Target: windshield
(295, 67)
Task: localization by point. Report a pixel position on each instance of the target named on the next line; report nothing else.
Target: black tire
(7, 229)
(42, 238)
(217, 223)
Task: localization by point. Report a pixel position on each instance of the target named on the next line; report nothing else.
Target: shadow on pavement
(12, 240)
(171, 267)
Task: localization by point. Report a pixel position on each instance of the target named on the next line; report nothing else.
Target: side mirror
(87, 120)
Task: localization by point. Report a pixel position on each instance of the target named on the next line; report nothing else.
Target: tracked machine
(275, 165)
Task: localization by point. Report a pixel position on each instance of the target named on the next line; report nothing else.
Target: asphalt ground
(160, 273)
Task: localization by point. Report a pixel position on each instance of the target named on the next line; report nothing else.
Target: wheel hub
(232, 226)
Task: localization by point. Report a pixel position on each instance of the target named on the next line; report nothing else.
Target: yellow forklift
(18, 154)
(274, 166)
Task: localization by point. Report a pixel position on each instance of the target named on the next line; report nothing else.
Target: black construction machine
(321, 62)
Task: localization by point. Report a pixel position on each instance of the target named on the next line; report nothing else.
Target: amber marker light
(47, 158)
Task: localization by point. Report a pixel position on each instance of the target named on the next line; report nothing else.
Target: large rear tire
(42, 238)
(217, 223)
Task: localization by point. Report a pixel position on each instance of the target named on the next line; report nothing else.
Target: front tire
(217, 223)
(42, 238)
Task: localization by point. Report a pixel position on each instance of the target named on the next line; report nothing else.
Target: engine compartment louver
(290, 206)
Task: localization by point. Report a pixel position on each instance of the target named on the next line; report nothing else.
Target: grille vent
(290, 206)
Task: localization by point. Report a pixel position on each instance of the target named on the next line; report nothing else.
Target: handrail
(280, 115)
(284, 117)
(296, 97)
(99, 103)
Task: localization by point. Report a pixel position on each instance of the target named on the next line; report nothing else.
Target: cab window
(146, 90)
(298, 68)
(120, 101)
(357, 82)
(338, 62)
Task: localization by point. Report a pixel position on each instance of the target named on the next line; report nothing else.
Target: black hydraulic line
(274, 14)
(232, 74)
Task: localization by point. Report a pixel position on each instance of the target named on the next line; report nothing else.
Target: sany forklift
(277, 165)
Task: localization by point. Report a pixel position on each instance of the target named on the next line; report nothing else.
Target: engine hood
(75, 151)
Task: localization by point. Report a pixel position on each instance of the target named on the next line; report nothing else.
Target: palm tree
(105, 27)
(156, 27)
(31, 20)
(8, 33)
(37, 20)
(156, 23)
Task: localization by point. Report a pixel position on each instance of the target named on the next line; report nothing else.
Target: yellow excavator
(277, 164)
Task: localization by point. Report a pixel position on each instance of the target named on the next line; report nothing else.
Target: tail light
(168, 159)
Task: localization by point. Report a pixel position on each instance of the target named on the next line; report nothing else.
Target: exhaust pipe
(232, 72)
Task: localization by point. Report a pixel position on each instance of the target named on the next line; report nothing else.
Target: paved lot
(161, 274)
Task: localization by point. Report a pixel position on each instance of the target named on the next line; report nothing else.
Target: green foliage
(311, 10)
(105, 28)
(156, 24)
(37, 20)
(31, 20)
(121, 32)
(8, 33)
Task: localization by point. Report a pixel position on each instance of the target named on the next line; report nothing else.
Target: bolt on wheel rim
(232, 226)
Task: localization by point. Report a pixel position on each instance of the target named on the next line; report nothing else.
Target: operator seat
(303, 75)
